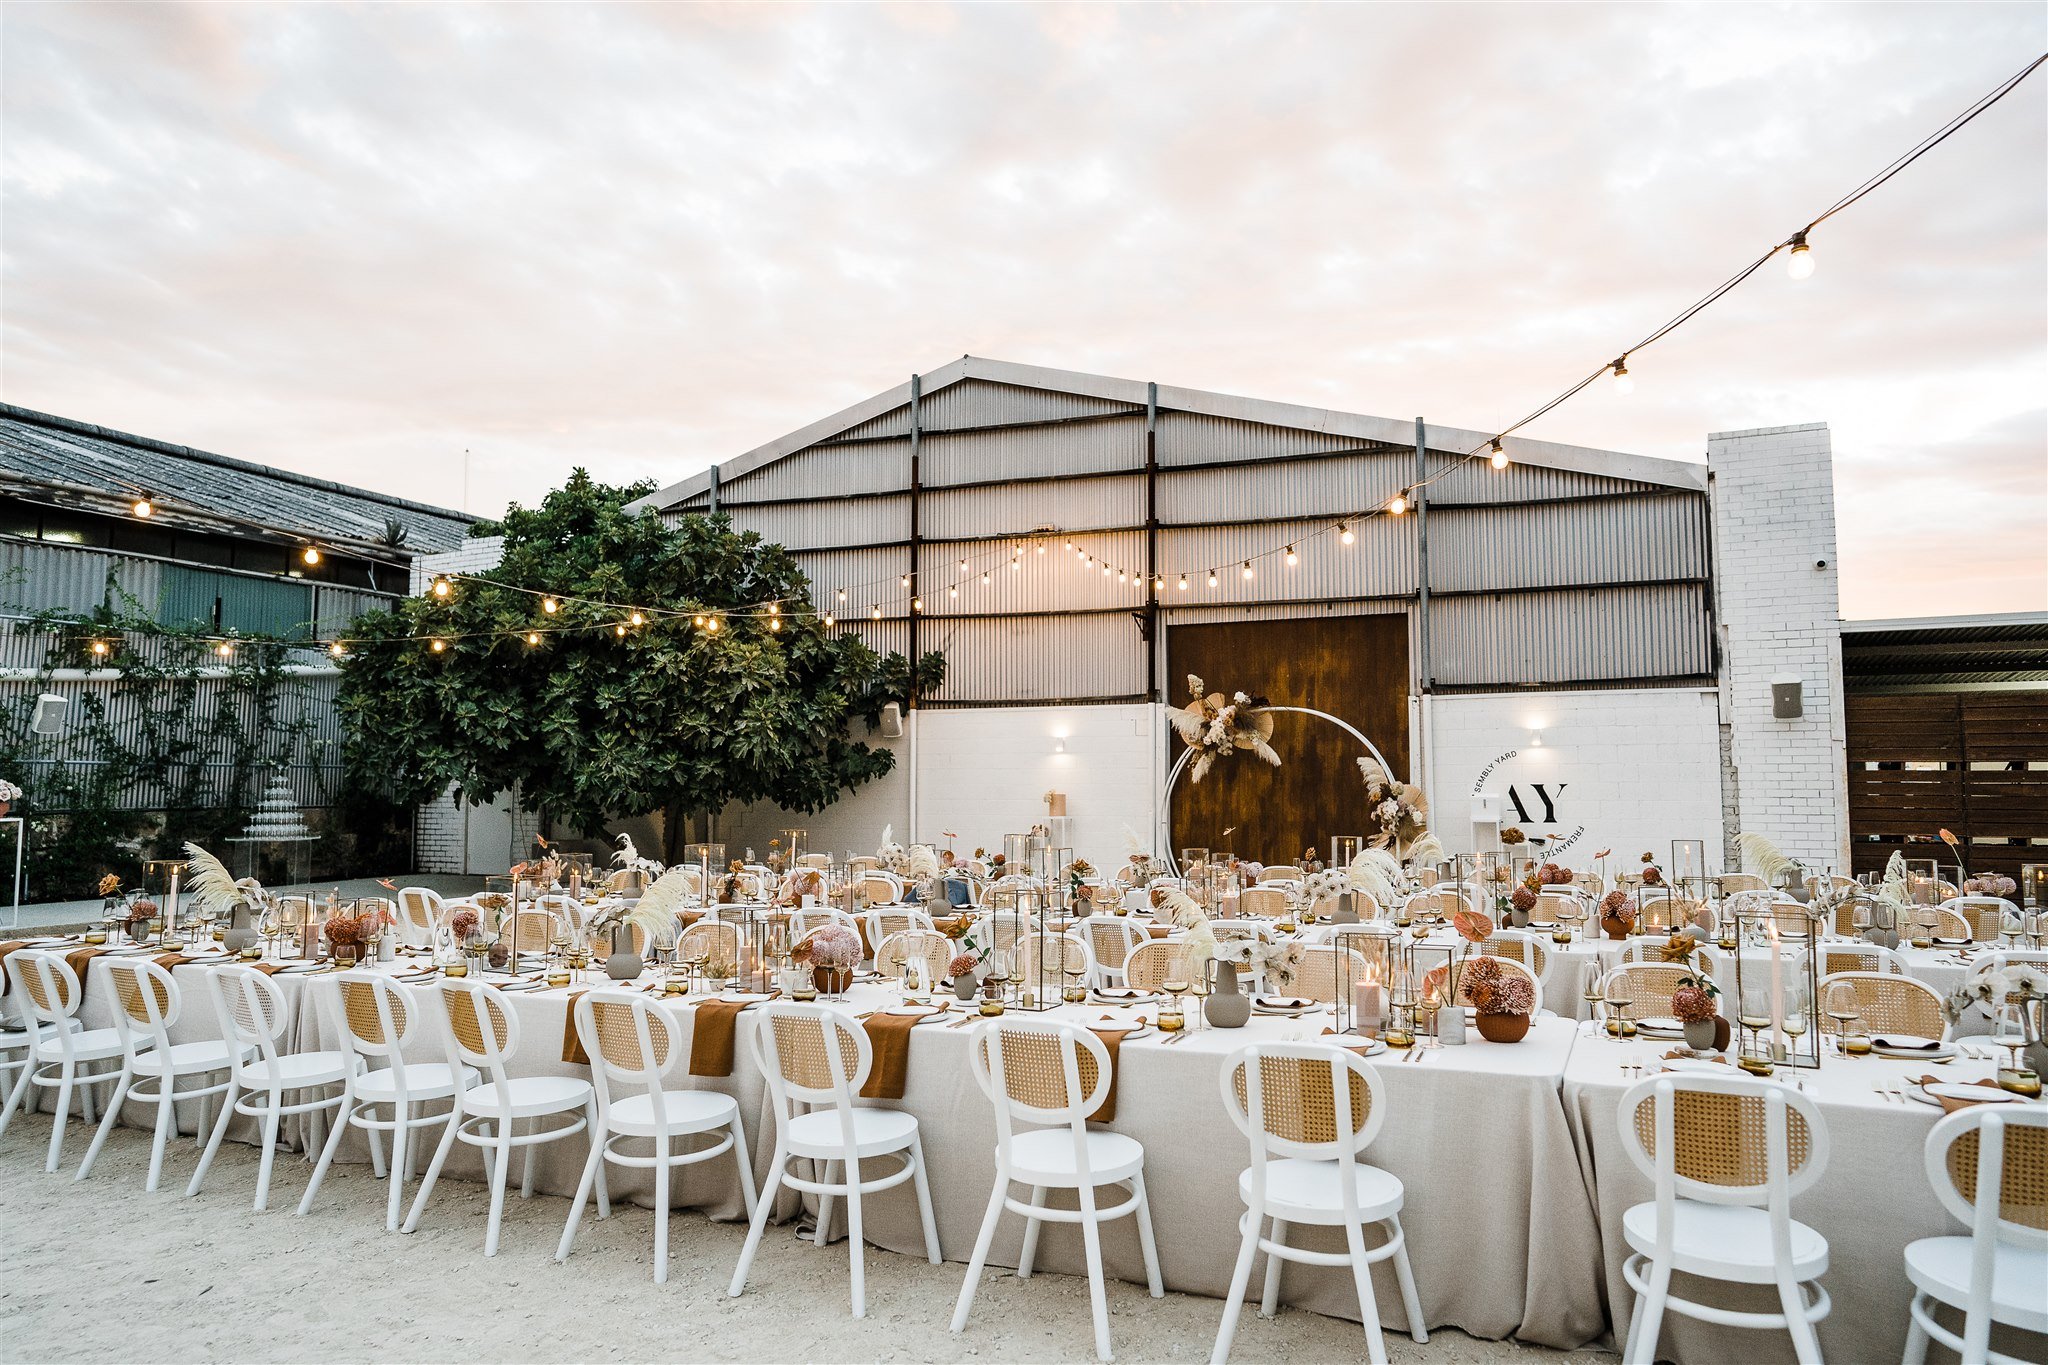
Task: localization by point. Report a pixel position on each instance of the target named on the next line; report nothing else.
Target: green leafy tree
(590, 722)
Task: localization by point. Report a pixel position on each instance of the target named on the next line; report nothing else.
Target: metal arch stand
(1188, 752)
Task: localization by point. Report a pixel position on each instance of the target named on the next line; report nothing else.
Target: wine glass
(2009, 1030)
(1620, 997)
(1846, 1010)
(1170, 1016)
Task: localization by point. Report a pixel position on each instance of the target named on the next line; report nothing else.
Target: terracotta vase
(831, 980)
(1614, 927)
(1503, 1028)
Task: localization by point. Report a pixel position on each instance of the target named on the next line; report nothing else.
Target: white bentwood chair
(253, 1015)
(630, 1043)
(480, 1033)
(1727, 1156)
(61, 1048)
(816, 1057)
(374, 1018)
(148, 1003)
(1052, 1075)
(1989, 1167)
(1305, 1169)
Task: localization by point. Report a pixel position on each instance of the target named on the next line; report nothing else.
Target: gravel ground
(207, 1279)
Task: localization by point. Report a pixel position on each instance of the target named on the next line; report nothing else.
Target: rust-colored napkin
(267, 968)
(890, 1036)
(1159, 930)
(1112, 1039)
(860, 926)
(1950, 1104)
(81, 960)
(168, 961)
(572, 1044)
(712, 1036)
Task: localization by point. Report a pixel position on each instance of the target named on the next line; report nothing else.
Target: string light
(1105, 568)
(904, 581)
(1041, 547)
(985, 579)
(963, 566)
(712, 625)
(1344, 533)
(1017, 564)
(876, 614)
(775, 624)
(1292, 558)
(99, 647)
(439, 646)
(619, 631)
(1247, 568)
(1122, 577)
(636, 619)
(227, 650)
(842, 594)
(311, 554)
(337, 649)
(1396, 505)
(533, 637)
(830, 620)
(1499, 458)
(697, 621)
(442, 587)
(1212, 578)
(1799, 265)
(953, 591)
(1159, 583)
(1183, 582)
(775, 608)
(550, 605)
(917, 604)
(1624, 382)
(143, 507)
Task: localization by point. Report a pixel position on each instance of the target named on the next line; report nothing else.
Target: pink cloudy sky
(358, 241)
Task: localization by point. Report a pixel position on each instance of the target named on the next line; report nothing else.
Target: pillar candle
(1368, 1003)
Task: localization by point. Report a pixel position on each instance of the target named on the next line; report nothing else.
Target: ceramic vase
(624, 966)
(1615, 927)
(965, 987)
(1503, 1028)
(1227, 1006)
(1699, 1035)
(830, 980)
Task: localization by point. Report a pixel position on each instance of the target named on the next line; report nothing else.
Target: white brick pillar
(1777, 609)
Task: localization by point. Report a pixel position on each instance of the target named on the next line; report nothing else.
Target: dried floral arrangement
(1550, 874)
(462, 924)
(215, 890)
(1216, 727)
(1398, 812)
(803, 881)
(1653, 875)
(1618, 905)
(963, 963)
(628, 859)
(1989, 884)
(1325, 885)
(1378, 874)
(654, 914)
(353, 929)
(831, 947)
(1513, 835)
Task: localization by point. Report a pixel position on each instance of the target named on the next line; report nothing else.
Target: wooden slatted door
(1355, 667)
(1973, 763)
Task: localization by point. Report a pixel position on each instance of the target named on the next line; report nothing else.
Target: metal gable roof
(1380, 430)
(103, 468)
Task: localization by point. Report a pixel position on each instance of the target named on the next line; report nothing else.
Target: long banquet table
(1510, 1156)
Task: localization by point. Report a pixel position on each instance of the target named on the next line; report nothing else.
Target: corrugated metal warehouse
(1079, 505)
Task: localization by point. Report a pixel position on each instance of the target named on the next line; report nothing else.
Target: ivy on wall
(174, 744)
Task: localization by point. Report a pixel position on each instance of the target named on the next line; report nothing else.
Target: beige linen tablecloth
(1872, 1199)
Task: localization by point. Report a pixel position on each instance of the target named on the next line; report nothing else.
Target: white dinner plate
(1135, 1031)
(1364, 1047)
(1956, 1090)
(1928, 1052)
(1123, 996)
(1660, 1025)
(912, 1011)
(1698, 1066)
(745, 997)
(51, 942)
(298, 968)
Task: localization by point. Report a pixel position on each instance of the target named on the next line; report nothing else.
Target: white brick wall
(1627, 770)
(476, 556)
(1777, 613)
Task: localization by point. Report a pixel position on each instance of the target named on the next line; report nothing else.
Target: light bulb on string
(619, 631)
(1212, 578)
(1041, 547)
(1799, 265)
(1122, 577)
(904, 581)
(697, 621)
(310, 555)
(337, 649)
(442, 587)
(1183, 582)
(775, 608)
(550, 605)
(830, 620)
(636, 619)
(1017, 565)
(1105, 568)
(1247, 568)
(143, 507)
(1292, 558)
(875, 614)
(985, 579)
(1396, 505)
(712, 625)
(963, 566)
(439, 646)
(533, 637)
(99, 647)
(953, 591)
(842, 594)
(1344, 533)
(775, 624)
(1624, 382)
(225, 650)
(1498, 458)
(1159, 583)
(917, 604)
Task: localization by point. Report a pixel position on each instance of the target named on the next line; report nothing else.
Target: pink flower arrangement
(963, 963)
(1691, 1005)
(1523, 900)
(1617, 905)
(1550, 874)
(1507, 994)
(834, 947)
(462, 923)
